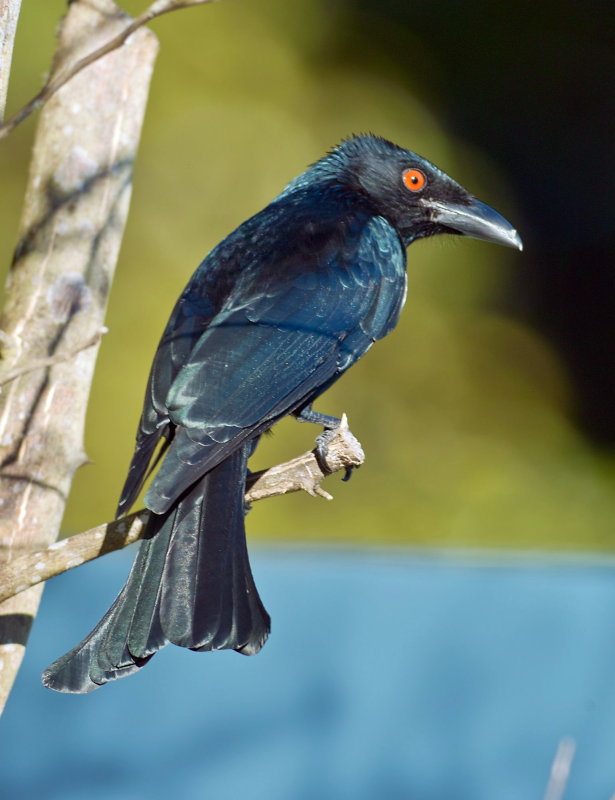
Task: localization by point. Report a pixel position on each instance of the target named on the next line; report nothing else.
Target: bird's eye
(414, 179)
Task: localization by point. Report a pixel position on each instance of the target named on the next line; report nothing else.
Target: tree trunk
(74, 216)
(9, 14)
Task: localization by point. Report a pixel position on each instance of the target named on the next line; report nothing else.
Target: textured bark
(303, 473)
(9, 14)
(74, 214)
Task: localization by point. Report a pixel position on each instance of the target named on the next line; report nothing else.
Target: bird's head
(414, 195)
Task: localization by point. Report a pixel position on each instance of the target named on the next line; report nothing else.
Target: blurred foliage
(464, 413)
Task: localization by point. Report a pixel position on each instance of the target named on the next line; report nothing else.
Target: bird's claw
(348, 473)
(322, 449)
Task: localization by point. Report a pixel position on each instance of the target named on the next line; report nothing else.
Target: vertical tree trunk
(74, 215)
(9, 14)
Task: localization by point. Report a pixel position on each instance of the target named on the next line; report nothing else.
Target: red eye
(414, 180)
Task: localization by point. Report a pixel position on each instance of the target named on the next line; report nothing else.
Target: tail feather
(141, 466)
(144, 635)
(209, 600)
(79, 671)
(191, 584)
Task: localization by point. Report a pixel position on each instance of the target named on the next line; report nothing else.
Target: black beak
(476, 220)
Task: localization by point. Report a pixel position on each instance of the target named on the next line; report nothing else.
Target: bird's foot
(327, 445)
(321, 451)
(331, 427)
(335, 430)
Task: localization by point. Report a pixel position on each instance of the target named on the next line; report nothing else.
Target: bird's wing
(193, 312)
(273, 347)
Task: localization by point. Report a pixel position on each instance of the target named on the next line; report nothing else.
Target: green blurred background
(486, 416)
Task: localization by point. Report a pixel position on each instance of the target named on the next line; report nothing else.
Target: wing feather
(257, 363)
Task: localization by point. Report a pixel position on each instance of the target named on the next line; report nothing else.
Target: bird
(272, 317)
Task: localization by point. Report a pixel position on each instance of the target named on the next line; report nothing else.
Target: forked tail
(191, 585)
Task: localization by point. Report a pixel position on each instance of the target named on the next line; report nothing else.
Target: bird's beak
(476, 220)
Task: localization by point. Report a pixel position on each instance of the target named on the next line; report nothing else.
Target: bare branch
(28, 570)
(50, 361)
(560, 770)
(60, 78)
(303, 473)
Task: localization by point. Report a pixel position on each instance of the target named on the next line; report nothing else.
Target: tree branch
(60, 78)
(303, 473)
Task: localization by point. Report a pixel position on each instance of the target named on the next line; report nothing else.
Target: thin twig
(303, 473)
(39, 363)
(560, 770)
(56, 81)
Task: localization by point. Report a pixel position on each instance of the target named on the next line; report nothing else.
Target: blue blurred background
(389, 674)
(399, 673)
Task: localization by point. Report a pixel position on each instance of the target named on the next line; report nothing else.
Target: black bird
(270, 319)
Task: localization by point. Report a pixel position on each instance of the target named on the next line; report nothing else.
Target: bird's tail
(191, 584)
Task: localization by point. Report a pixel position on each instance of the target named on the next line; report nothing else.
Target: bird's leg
(330, 425)
(307, 414)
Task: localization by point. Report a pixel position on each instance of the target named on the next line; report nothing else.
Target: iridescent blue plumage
(271, 318)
